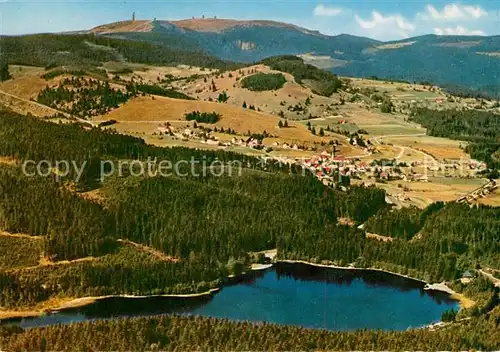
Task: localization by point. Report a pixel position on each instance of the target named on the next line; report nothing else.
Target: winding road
(377, 139)
(493, 279)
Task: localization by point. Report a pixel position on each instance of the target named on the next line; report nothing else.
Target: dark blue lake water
(291, 294)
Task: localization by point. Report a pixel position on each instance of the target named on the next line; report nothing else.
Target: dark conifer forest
(189, 333)
(264, 81)
(88, 49)
(321, 82)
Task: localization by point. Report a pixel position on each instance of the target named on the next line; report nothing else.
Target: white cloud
(381, 26)
(476, 12)
(323, 11)
(453, 12)
(449, 18)
(458, 30)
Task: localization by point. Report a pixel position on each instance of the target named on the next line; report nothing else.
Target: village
(329, 167)
(327, 164)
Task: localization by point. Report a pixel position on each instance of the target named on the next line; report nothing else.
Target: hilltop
(214, 25)
(220, 25)
(124, 26)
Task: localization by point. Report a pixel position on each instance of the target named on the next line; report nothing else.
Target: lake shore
(463, 301)
(72, 303)
(85, 301)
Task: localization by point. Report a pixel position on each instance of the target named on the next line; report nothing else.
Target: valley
(250, 123)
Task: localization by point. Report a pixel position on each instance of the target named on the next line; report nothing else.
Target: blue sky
(384, 20)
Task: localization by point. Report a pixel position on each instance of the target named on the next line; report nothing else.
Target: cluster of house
(480, 192)
(206, 137)
(242, 142)
(182, 134)
(287, 146)
(327, 166)
(252, 142)
(468, 166)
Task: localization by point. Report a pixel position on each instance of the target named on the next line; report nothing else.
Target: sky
(383, 20)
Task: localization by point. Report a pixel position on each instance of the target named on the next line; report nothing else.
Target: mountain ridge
(219, 25)
(444, 60)
(459, 61)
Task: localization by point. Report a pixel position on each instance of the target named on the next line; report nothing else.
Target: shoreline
(332, 266)
(6, 315)
(85, 301)
(442, 287)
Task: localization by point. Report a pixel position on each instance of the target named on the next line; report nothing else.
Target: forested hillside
(206, 224)
(404, 223)
(454, 238)
(206, 221)
(92, 50)
(186, 333)
(84, 97)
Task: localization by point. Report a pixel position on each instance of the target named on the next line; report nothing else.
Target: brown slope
(214, 25)
(146, 110)
(219, 25)
(124, 26)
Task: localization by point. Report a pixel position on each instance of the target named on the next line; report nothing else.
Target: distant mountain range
(468, 61)
(471, 62)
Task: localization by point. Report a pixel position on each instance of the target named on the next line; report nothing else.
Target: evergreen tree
(223, 97)
(4, 70)
(386, 106)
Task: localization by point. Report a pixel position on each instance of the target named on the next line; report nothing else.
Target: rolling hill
(468, 62)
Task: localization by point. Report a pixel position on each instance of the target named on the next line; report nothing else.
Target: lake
(290, 294)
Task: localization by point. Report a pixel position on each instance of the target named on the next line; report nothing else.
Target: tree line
(205, 117)
(453, 238)
(173, 333)
(322, 82)
(93, 50)
(83, 97)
